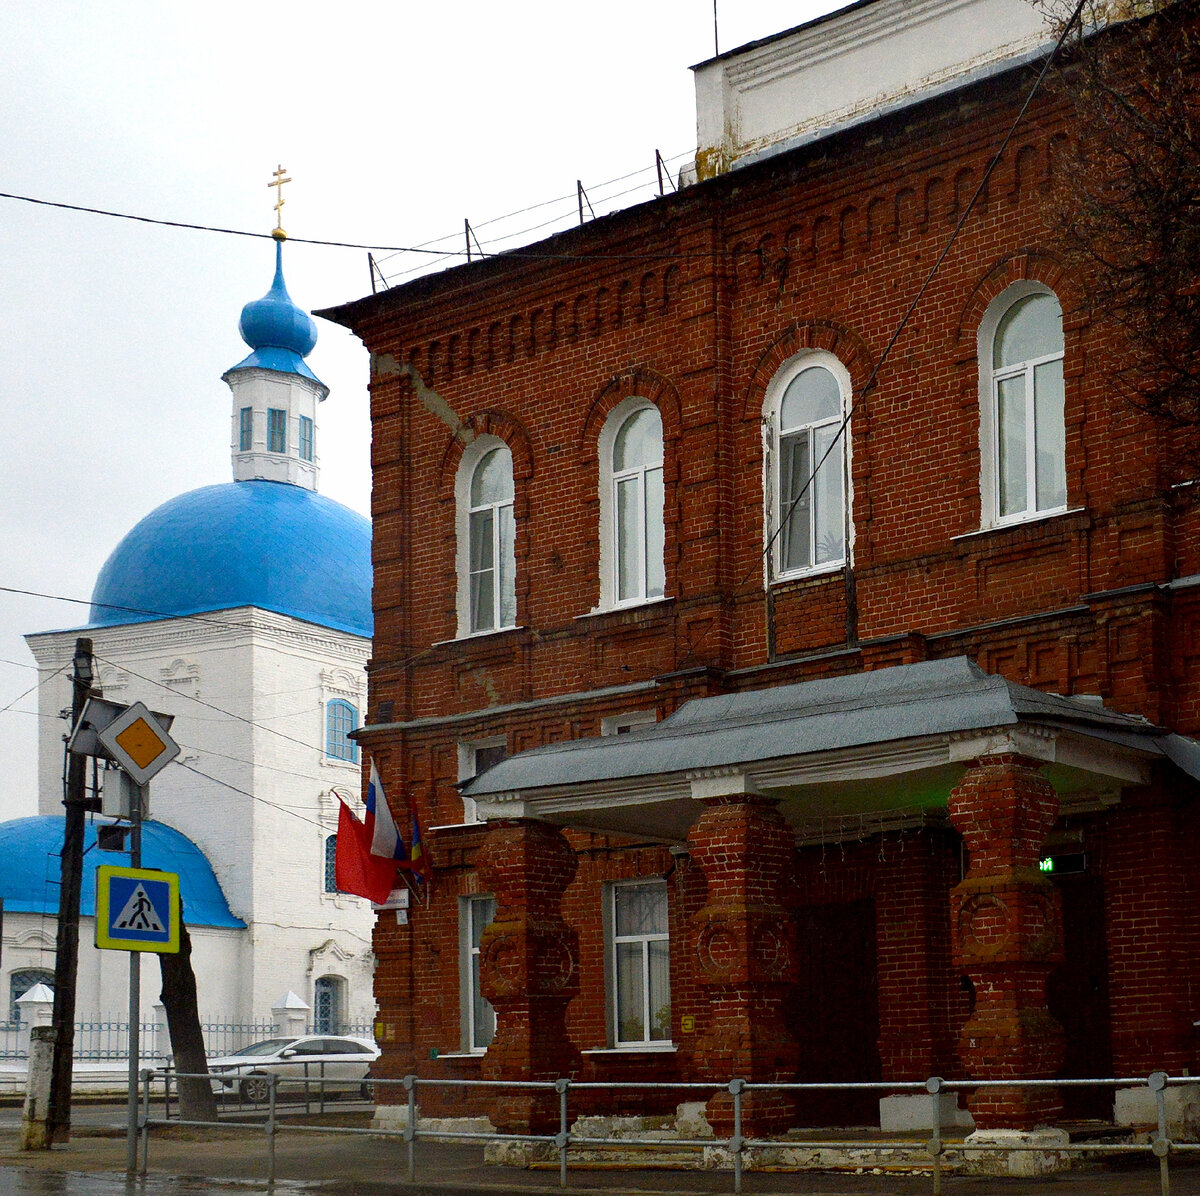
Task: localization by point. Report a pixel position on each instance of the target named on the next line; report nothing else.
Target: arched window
(631, 505)
(340, 719)
(1022, 396)
(807, 511)
(487, 535)
(19, 983)
(331, 864)
(329, 1005)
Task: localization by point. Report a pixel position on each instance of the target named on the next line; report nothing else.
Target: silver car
(325, 1063)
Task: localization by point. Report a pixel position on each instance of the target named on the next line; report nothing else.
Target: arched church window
(329, 1001)
(341, 717)
(19, 983)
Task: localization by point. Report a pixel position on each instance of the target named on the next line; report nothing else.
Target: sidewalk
(226, 1159)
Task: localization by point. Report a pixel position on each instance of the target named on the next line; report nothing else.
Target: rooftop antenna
(716, 41)
(278, 182)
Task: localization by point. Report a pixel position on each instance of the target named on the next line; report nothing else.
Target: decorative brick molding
(1006, 931)
(744, 944)
(528, 967)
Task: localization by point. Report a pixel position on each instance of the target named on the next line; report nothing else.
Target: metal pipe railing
(936, 1148)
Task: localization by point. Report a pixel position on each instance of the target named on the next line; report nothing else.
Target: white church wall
(252, 787)
(102, 988)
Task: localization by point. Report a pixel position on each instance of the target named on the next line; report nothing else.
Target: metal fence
(107, 1039)
(738, 1153)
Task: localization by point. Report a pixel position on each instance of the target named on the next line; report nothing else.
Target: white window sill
(478, 635)
(461, 1054)
(337, 762)
(642, 1048)
(626, 606)
(806, 574)
(1010, 524)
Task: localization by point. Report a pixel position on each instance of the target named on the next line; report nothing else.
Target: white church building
(244, 610)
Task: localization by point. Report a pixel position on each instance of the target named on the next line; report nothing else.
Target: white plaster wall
(102, 992)
(251, 787)
(851, 64)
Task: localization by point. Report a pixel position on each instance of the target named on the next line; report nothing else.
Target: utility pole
(66, 958)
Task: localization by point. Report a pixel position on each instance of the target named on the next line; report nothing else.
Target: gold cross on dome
(278, 182)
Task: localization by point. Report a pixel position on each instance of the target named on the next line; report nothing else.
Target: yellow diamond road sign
(137, 741)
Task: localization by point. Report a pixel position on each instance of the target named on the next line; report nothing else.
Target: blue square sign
(137, 909)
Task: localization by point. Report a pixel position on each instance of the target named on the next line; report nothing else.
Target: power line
(370, 247)
(869, 384)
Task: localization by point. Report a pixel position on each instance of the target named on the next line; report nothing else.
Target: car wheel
(255, 1089)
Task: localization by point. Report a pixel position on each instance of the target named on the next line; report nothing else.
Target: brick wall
(696, 301)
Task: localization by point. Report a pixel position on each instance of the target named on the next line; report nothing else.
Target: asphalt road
(186, 1161)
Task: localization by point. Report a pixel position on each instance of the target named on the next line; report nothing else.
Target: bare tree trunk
(197, 1101)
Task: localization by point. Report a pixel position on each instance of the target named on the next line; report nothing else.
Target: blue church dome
(30, 875)
(280, 334)
(255, 543)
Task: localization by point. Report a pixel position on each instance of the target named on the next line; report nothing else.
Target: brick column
(744, 944)
(1006, 925)
(528, 968)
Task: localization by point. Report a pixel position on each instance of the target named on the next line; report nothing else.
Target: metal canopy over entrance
(892, 740)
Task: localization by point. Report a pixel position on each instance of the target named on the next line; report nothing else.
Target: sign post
(136, 910)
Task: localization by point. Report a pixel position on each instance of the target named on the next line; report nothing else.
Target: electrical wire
(869, 384)
(42, 681)
(370, 247)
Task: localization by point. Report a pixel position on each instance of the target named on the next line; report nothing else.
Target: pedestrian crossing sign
(137, 909)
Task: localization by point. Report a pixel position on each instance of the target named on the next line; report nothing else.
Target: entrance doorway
(1077, 996)
(835, 1017)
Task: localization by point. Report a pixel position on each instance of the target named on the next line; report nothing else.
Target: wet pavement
(188, 1161)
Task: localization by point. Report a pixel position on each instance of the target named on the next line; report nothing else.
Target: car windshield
(272, 1046)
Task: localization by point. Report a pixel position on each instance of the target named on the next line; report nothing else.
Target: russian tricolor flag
(386, 840)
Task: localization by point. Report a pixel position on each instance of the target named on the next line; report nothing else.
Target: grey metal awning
(887, 740)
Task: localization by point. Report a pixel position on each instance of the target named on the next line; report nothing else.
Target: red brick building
(870, 681)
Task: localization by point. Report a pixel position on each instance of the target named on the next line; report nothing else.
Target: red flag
(356, 870)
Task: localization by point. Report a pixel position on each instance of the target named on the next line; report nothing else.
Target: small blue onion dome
(30, 869)
(274, 321)
(271, 545)
(279, 333)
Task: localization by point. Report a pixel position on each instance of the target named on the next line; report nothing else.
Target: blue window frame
(331, 864)
(306, 438)
(329, 994)
(276, 430)
(340, 719)
(245, 429)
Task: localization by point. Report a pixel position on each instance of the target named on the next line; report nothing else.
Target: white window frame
(620, 724)
(469, 910)
(468, 767)
(610, 529)
(471, 459)
(772, 460)
(611, 941)
(989, 440)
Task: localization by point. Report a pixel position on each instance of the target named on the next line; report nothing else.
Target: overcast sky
(395, 121)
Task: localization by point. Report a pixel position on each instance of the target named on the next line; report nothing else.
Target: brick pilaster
(1006, 924)
(528, 968)
(744, 945)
